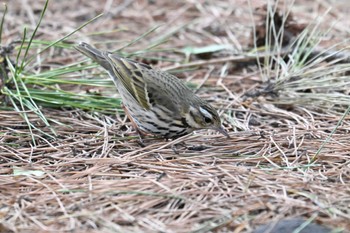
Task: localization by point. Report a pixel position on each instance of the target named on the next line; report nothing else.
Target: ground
(288, 155)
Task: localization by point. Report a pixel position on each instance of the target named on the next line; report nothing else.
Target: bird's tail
(95, 54)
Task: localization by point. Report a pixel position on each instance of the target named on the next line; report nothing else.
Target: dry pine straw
(96, 178)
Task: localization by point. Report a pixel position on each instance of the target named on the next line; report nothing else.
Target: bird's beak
(222, 130)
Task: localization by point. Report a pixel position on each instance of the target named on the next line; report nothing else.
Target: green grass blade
(33, 35)
(2, 21)
(63, 38)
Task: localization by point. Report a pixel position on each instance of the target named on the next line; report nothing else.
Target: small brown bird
(155, 101)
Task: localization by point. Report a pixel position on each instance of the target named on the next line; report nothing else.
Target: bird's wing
(132, 78)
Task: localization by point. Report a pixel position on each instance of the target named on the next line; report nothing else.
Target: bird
(155, 101)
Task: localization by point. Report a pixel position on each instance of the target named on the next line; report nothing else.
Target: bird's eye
(207, 120)
(207, 116)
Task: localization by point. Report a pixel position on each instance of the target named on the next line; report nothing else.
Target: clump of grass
(28, 91)
(307, 74)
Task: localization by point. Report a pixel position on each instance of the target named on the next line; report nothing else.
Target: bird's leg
(138, 131)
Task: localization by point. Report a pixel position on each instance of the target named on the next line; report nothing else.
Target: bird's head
(204, 116)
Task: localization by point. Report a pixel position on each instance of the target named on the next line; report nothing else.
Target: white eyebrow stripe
(205, 113)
